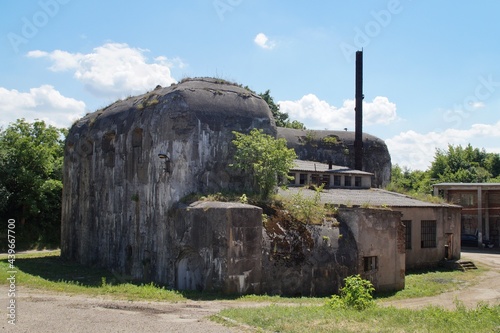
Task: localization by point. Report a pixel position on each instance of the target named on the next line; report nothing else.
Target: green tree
(267, 159)
(405, 180)
(281, 118)
(31, 157)
(467, 165)
(455, 164)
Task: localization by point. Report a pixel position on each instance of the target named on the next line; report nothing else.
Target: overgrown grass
(293, 319)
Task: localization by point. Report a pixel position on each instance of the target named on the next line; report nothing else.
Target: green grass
(297, 319)
(47, 271)
(432, 282)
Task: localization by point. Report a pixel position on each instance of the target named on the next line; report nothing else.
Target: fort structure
(128, 166)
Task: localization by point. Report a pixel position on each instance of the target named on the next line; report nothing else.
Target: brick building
(481, 207)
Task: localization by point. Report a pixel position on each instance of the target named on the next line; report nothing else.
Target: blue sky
(431, 68)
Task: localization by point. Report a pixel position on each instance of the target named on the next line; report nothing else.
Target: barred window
(357, 181)
(303, 179)
(370, 263)
(347, 180)
(407, 224)
(428, 233)
(336, 180)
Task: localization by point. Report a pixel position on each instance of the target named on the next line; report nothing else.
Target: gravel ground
(42, 311)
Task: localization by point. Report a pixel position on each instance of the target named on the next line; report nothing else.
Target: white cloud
(318, 114)
(416, 150)
(44, 103)
(113, 70)
(262, 41)
(477, 105)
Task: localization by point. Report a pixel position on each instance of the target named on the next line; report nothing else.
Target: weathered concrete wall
(120, 200)
(216, 247)
(117, 195)
(306, 260)
(379, 235)
(447, 233)
(316, 145)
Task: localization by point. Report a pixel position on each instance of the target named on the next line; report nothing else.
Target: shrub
(356, 294)
(306, 209)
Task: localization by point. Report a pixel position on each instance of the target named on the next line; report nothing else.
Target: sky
(431, 68)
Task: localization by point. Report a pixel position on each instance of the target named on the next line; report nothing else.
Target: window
(315, 179)
(292, 176)
(370, 263)
(336, 180)
(357, 181)
(325, 180)
(303, 179)
(347, 180)
(428, 233)
(467, 199)
(407, 224)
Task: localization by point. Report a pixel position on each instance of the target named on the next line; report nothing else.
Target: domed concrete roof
(211, 101)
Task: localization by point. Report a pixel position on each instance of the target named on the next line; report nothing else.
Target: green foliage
(281, 118)
(405, 180)
(330, 140)
(31, 156)
(47, 271)
(356, 294)
(304, 318)
(266, 159)
(307, 209)
(456, 164)
(466, 165)
(244, 199)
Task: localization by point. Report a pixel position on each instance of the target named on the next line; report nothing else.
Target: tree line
(456, 164)
(31, 157)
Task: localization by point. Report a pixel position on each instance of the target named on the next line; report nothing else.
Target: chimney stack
(358, 136)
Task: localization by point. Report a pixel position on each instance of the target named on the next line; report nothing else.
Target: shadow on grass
(56, 269)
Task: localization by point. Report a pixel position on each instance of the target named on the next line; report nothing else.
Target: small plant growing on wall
(330, 140)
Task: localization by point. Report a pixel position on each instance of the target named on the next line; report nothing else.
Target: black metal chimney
(358, 136)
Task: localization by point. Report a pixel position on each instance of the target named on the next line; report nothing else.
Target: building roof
(363, 197)
(310, 166)
(468, 186)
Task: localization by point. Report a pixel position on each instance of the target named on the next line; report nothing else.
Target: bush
(356, 294)
(308, 210)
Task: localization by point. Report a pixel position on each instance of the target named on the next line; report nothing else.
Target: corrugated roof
(361, 197)
(311, 166)
(468, 185)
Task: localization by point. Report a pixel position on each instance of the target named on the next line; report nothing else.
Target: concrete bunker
(122, 204)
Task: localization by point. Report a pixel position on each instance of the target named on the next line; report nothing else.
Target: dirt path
(486, 289)
(41, 311)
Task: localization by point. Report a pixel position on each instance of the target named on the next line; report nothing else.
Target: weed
(306, 209)
(244, 199)
(330, 140)
(152, 102)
